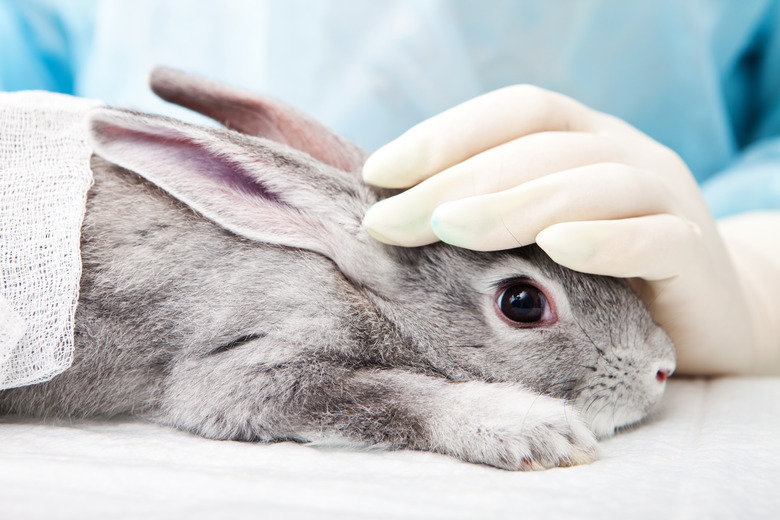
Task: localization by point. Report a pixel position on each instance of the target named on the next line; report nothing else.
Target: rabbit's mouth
(609, 404)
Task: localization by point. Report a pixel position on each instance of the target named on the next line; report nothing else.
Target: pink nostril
(662, 375)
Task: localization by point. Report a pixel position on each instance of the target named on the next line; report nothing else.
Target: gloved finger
(473, 127)
(405, 218)
(653, 247)
(513, 217)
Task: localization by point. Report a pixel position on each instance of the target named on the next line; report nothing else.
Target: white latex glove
(523, 165)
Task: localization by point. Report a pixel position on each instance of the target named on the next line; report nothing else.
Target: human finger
(405, 219)
(653, 247)
(471, 128)
(514, 217)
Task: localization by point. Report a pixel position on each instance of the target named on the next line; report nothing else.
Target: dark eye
(523, 303)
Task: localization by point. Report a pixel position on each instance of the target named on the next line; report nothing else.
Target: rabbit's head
(280, 178)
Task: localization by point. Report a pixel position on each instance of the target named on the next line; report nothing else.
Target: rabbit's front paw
(513, 429)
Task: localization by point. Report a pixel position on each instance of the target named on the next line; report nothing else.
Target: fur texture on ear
(257, 115)
(251, 186)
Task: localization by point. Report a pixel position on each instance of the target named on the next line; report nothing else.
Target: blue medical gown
(701, 76)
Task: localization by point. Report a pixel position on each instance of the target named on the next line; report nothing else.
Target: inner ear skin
(186, 150)
(261, 116)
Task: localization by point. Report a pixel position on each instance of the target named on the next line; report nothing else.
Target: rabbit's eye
(524, 303)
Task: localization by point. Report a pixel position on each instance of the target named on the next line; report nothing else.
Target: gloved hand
(522, 165)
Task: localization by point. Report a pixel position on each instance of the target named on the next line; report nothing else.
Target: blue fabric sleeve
(43, 42)
(751, 183)
(752, 180)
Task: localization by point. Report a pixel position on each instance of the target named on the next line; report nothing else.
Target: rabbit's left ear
(250, 186)
(257, 115)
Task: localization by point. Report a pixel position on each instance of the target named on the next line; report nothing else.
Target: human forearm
(753, 241)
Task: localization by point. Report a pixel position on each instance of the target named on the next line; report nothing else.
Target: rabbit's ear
(257, 115)
(250, 186)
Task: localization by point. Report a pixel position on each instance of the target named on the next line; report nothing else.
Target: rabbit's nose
(663, 370)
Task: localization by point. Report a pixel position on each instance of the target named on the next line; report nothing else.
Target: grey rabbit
(229, 290)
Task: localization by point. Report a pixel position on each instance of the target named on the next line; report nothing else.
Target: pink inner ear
(222, 170)
(286, 125)
(182, 156)
(259, 116)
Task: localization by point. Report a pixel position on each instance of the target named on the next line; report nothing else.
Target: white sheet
(711, 450)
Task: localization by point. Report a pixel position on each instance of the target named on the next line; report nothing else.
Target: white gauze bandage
(44, 178)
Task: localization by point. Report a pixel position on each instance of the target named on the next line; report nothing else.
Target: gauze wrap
(44, 178)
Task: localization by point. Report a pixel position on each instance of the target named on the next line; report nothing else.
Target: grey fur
(183, 322)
